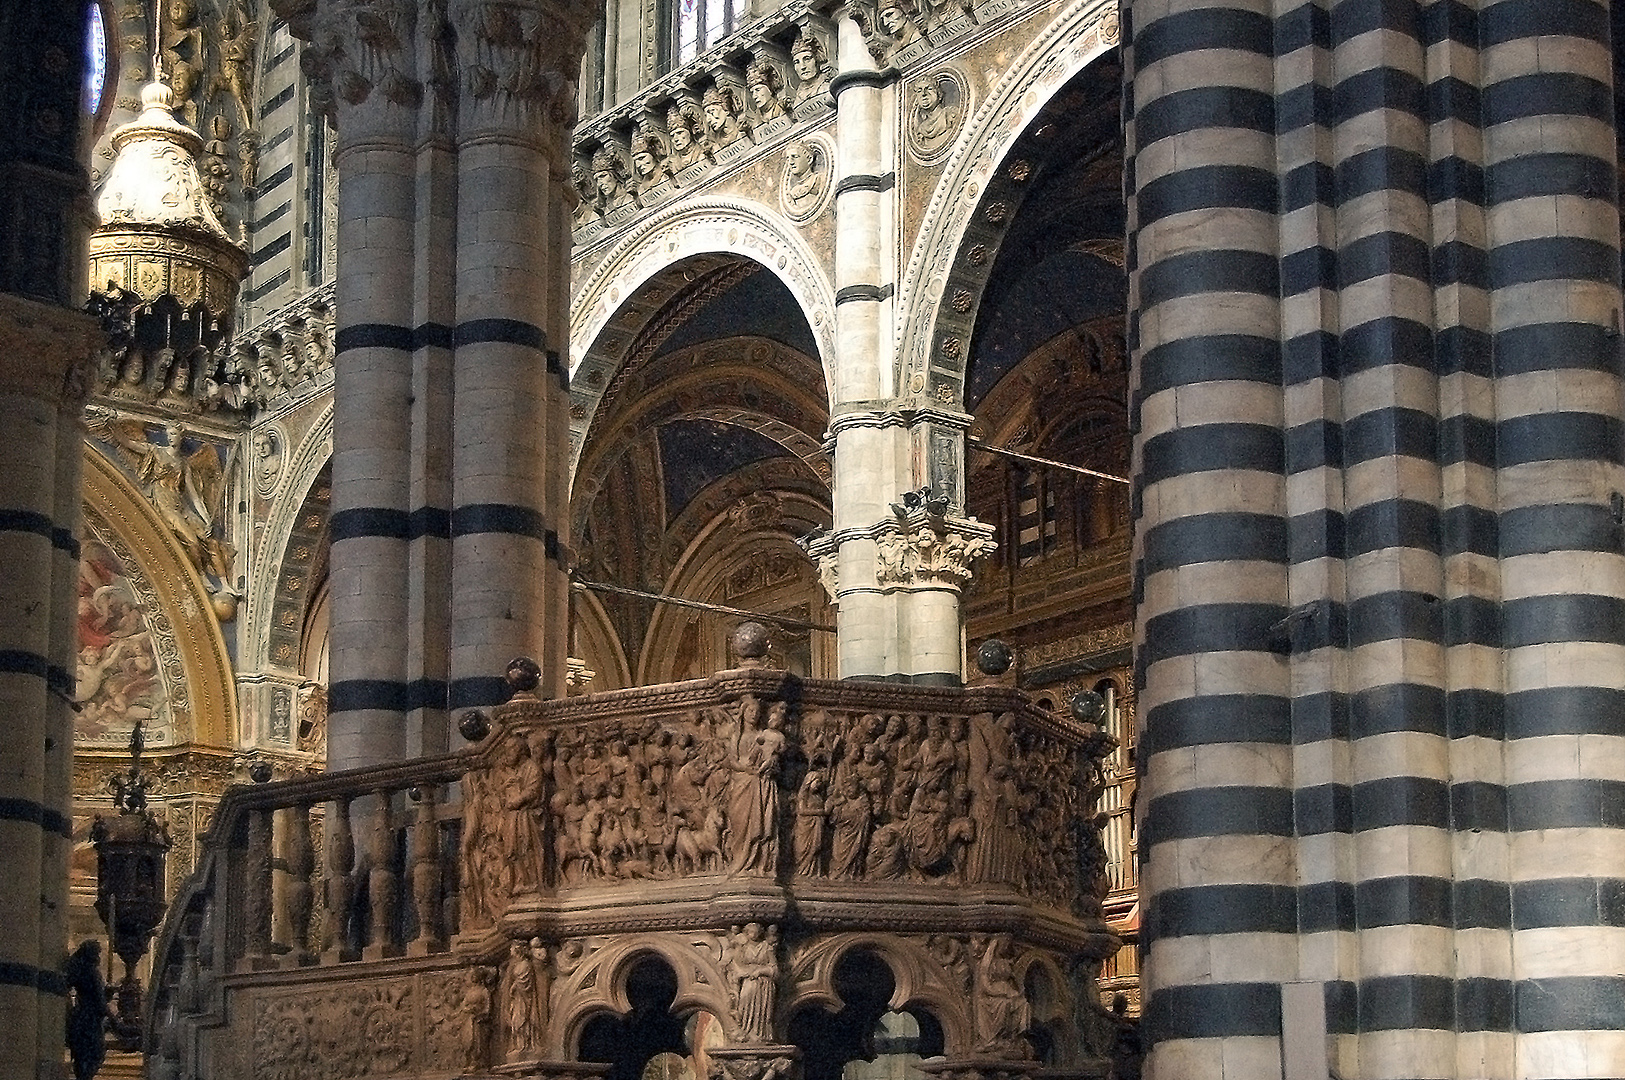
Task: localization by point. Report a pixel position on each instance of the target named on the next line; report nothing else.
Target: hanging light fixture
(130, 854)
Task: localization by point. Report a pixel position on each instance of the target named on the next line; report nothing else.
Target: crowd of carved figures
(293, 347)
(638, 153)
(670, 140)
(758, 788)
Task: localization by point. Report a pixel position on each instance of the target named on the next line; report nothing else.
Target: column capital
(920, 545)
(47, 351)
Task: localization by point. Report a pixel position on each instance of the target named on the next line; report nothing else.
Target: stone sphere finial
(524, 674)
(474, 725)
(749, 641)
(1088, 707)
(993, 657)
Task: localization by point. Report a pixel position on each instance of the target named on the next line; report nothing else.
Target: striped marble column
(373, 523)
(1211, 538)
(46, 362)
(1403, 218)
(1551, 202)
(510, 384)
(870, 461)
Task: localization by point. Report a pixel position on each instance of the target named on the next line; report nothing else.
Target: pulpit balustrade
(747, 834)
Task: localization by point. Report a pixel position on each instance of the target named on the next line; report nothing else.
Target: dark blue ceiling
(696, 453)
(760, 305)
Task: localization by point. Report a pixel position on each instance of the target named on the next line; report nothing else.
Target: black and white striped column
(1551, 203)
(1375, 313)
(510, 383)
(46, 349)
(1211, 541)
(375, 520)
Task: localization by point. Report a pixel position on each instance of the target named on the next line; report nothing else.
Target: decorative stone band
(22, 662)
(31, 812)
(440, 336)
(39, 524)
(437, 522)
(874, 293)
(865, 182)
(46, 982)
(873, 79)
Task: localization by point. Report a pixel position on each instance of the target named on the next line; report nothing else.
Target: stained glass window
(96, 59)
(701, 24)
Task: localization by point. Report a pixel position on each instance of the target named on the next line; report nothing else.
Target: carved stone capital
(46, 351)
(767, 1062)
(922, 548)
(518, 61)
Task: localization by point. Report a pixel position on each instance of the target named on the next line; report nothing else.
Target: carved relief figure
(807, 58)
(805, 178)
(897, 22)
(683, 124)
(475, 1012)
(851, 815)
(811, 828)
(648, 156)
(312, 725)
(753, 802)
(183, 55)
(186, 487)
(609, 180)
(753, 970)
(237, 65)
(764, 84)
(521, 1008)
(935, 110)
(722, 127)
(1000, 1006)
(520, 779)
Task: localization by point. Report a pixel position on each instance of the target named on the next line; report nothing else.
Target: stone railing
(748, 831)
(271, 893)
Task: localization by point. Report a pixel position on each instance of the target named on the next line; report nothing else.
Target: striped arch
(933, 339)
(290, 516)
(632, 283)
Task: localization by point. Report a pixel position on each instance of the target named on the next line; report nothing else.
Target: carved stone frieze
(747, 786)
(336, 1032)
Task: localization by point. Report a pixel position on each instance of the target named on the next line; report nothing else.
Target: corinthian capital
(922, 548)
(359, 55)
(518, 61)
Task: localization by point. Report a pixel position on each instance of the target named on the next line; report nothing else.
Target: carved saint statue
(475, 1011)
(753, 794)
(753, 970)
(521, 1009)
